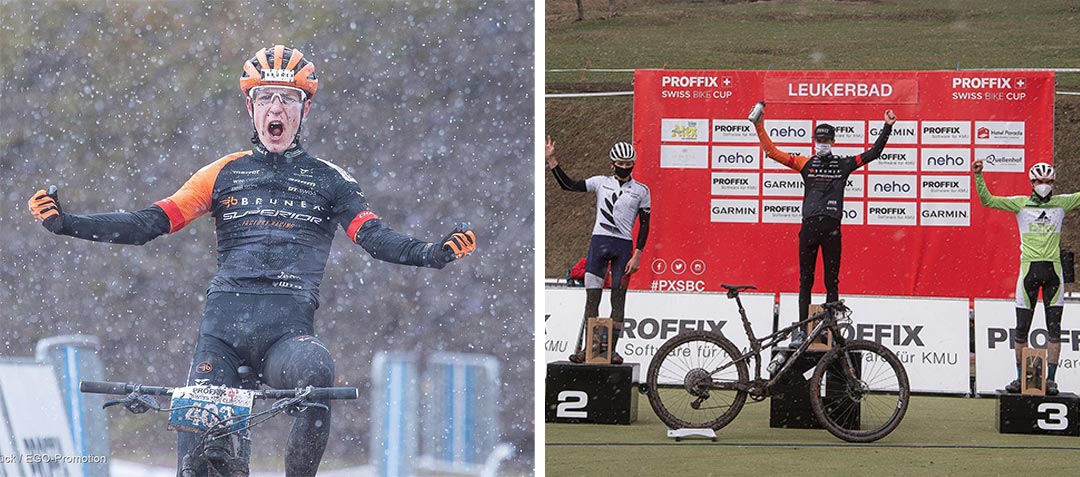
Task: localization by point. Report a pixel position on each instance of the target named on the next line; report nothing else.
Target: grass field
(939, 436)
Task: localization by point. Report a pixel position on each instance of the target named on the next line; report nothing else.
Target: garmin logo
(783, 184)
(735, 210)
(945, 214)
(689, 81)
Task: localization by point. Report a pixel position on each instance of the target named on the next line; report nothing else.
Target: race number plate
(198, 408)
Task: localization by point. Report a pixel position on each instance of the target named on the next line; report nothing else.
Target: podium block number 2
(571, 401)
(1057, 416)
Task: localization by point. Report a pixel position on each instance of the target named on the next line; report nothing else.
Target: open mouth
(276, 129)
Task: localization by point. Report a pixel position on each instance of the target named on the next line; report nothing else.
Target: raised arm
(875, 151)
(131, 228)
(1011, 204)
(384, 243)
(793, 161)
(561, 178)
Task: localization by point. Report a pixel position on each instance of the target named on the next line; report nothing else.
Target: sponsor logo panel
(1006, 133)
(945, 159)
(853, 213)
(781, 211)
(786, 185)
(1001, 159)
(848, 132)
(945, 132)
(734, 210)
(733, 183)
(892, 186)
(891, 213)
(771, 164)
(733, 130)
(790, 131)
(855, 186)
(736, 157)
(955, 214)
(684, 130)
(945, 187)
(684, 157)
(896, 159)
(903, 132)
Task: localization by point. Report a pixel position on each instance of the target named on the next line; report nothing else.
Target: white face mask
(1043, 190)
(822, 148)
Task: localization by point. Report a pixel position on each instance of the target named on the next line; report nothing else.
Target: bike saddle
(733, 290)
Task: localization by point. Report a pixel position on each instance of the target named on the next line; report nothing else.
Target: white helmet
(1041, 171)
(623, 151)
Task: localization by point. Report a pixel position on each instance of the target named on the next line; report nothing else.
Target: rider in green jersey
(1039, 217)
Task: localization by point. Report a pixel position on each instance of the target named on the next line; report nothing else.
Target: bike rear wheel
(683, 389)
(860, 391)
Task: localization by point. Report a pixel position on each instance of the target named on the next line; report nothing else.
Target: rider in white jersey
(619, 200)
(1039, 217)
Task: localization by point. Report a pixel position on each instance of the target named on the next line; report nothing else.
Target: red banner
(913, 225)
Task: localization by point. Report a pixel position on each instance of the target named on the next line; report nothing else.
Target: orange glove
(45, 206)
(461, 241)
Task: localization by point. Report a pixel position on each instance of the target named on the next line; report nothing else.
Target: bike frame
(826, 320)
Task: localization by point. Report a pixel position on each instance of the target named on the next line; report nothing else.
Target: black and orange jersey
(275, 216)
(824, 177)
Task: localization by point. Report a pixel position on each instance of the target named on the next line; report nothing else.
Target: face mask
(623, 172)
(1043, 190)
(822, 148)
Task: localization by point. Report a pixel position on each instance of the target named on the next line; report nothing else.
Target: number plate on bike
(198, 408)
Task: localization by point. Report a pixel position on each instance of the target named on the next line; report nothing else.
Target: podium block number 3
(1057, 416)
(571, 401)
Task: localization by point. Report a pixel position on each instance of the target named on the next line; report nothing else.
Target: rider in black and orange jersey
(824, 177)
(275, 209)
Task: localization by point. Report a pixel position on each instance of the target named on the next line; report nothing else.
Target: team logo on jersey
(204, 367)
(608, 212)
(229, 202)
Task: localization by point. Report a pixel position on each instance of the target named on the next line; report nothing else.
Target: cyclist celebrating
(824, 178)
(275, 210)
(1039, 217)
(619, 200)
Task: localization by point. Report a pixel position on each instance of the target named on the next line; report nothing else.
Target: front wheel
(860, 391)
(687, 387)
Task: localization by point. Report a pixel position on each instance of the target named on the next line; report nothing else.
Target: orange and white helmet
(279, 66)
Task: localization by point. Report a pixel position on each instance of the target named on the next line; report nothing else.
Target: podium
(591, 393)
(1049, 415)
(790, 405)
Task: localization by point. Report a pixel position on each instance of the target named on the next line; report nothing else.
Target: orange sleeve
(194, 197)
(793, 161)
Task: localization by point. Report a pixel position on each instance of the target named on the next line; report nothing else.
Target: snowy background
(427, 103)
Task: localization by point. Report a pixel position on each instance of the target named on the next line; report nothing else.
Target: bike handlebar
(104, 387)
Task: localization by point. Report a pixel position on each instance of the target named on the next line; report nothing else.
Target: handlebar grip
(104, 387)
(335, 393)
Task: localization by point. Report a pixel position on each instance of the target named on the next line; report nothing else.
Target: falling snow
(427, 103)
